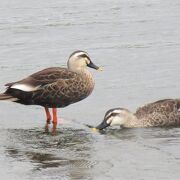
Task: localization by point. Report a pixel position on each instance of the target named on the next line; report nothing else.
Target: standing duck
(55, 87)
(163, 113)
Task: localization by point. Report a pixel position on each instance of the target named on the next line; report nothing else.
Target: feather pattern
(52, 87)
(163, 113)
(55, 87)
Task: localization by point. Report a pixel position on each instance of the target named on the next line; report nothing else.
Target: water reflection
(149, 139)
(69, 151)
(144, 133)
(82, 154)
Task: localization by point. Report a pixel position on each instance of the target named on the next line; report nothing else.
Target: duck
(162, 113)
(55, 87)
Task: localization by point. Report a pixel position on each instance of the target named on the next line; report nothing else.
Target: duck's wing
(149, 108)
(37, 80)
(160, 113)
(52, 87)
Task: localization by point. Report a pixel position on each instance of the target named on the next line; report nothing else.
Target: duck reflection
(67, 154)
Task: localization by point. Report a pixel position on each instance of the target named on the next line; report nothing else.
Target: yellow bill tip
(94, 129)
(100, 69)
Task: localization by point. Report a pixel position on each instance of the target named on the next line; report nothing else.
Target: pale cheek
(116, 121)
(87, 61)
(83, 64)
(109, 121)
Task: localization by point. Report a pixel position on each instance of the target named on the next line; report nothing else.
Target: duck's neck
(85, 74)
(131, 121)
(87, 79)
(82, 71)
(78, 70)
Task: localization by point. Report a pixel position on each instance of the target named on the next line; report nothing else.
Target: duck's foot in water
(53, 130)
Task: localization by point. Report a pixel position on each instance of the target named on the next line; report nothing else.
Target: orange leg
(48, 115)
(54, 110)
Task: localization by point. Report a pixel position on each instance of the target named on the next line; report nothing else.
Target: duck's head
(116, 116)
(79, 60)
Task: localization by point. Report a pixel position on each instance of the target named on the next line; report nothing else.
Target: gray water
(138, 44)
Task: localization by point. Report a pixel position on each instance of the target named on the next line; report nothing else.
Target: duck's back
(160, 113)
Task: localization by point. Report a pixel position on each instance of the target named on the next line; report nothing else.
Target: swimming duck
(55, 87)
(163, 113)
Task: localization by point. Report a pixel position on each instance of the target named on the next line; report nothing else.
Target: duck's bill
(92, 128)
(100, 69)
(92, 65)
(103, 125)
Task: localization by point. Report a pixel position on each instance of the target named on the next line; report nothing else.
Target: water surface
(138, 44)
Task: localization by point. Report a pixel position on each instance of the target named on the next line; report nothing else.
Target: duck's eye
(83, 56)
(86, 58)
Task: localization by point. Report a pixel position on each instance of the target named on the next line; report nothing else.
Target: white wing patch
(25, 87)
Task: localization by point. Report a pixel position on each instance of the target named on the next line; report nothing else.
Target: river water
(137, 42)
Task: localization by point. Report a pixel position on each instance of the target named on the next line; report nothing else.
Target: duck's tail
(4, 97)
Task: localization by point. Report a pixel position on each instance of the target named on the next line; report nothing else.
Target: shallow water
(137, 42)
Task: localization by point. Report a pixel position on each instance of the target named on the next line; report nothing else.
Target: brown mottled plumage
(57, 87)
(54, 87)
(163, 113)
(160, 113)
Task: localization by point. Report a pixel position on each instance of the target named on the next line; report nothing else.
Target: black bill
(103, 125)
(92, 65)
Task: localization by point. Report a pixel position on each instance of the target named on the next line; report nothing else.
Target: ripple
(68, 151)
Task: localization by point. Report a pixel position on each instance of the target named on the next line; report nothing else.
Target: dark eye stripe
(84, 56)
(110, 115)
